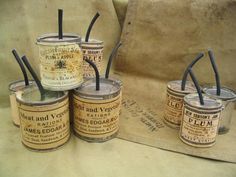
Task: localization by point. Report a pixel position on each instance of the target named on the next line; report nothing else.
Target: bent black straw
(197, 86)
(96, 72)
(41, 89)
(21, 66)
(110, 59)
(217, 77)
(60, 22)
(184, 79)
(90, 26)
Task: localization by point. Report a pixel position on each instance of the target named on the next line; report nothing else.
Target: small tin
(174, 102)
(200, 122)
(228, 98)
(61, 61)
(16, 88)
(96, 113)
(44, 124)
(92, 50)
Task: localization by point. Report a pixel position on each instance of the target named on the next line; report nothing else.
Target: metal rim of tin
(96, 140)
(53, 38)
(115, 80)
(92, 42)
(40, 103)
(96, 96)
(179, 91)
(202, 107)
(224, 98)
(18, 83)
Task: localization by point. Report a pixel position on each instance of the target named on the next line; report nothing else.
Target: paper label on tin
(173, 109)
(96, 118)
(61, 65)
(199, 128)
(44, 127)
(95, 54)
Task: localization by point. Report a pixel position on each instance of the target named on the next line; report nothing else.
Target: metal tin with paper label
(96, 113)
(200, 122)
(61, 61)
(92, 50)
(174, 102)
(44, 123)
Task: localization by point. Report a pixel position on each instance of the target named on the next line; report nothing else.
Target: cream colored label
(173, 109)
(14, 109)
(61, 65)
(199, 128)
(96, 118)
(95, 54)
(45, 127)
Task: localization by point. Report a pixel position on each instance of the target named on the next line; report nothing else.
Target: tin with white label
(200, 121)
(15, 88)
(228, 98)
(92, 50)
(44, 123)
(174, 102)
(96, 112)
(61, 61)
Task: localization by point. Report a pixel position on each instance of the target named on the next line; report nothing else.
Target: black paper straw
(34, 75)
(96, 72)
(90, 26)
(60, 22)
(21, 66)
(217, 77)
(196, 85)
(113, 53)
(184, 79)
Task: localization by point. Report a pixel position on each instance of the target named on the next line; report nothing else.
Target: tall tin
(15, 88)
(92, 50)
(96, 112)
(174, 102)
(44, 123)
(61, 61)
(228, 98)
(200, 122)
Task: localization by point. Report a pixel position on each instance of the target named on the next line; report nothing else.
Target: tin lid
(31, 96)
(107, 87)
(226, 93)
(209, 103)
(18, 85)
(176, 86)
(92, 42)
(53, 38)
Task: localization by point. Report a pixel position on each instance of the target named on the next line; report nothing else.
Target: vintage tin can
(228, 98)
(44, 124)
(61, 61)
(96, 113)
(174, 102)
(16, 88)
(200, 122)
(92, 50)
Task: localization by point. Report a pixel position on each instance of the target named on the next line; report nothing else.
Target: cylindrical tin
(174, 102)
(15, 88)
(228, 98)
(200, 122)
(92, 50)
(96, 113)
(44, 124)
(61, 61)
